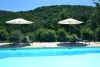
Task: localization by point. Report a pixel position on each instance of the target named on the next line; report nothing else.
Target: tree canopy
(47, 17)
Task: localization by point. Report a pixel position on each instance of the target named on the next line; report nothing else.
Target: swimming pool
(50, 57)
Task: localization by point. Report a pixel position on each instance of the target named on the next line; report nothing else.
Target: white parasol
(70, 21)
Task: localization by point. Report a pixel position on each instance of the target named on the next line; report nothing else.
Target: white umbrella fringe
(70, 21)
(19, 21)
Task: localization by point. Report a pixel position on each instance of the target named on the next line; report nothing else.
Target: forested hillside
(45, 19)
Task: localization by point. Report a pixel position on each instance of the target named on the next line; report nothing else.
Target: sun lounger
(27, 40)
(80, 40)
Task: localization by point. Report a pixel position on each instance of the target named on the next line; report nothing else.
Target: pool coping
(19, 48)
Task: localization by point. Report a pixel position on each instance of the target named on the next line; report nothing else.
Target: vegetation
(97, 34)
(87, 34)
(45, 35)
(62, 35)
(16, 37)
(45, 27)
(3, 35)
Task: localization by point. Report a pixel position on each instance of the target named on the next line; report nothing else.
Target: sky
(25, 5)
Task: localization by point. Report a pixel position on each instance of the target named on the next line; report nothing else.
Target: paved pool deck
(55, 44)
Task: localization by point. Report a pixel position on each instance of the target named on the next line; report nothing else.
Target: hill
(46, 17)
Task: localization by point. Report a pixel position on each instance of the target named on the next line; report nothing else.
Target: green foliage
(16, 36)
(87, 34)
(44, 35)
(94, 19)
(62, 35)
(47, 17)
(98, 34)
(32, 36)
(71, 36)
(3, 35)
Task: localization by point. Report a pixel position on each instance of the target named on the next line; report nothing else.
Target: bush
(32, 36)
(72, 36)
(97, 34)
(16, 37)
(3, 35)
(87, 34)
(62, 35)
(44, 35)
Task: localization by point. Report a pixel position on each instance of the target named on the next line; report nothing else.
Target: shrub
(97, 34)
(32, 36)
(44, 35)
(38, 34)
(16, 36)
(87, 34)
(3, 35)
(71, 36)
(62, 35)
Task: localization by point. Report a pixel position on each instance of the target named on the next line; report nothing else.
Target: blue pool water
(50, 57)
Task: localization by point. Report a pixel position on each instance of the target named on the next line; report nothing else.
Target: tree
(32, 36)
(16, 36)
(94, 20)
(62, 35)
(3, 35)
(47, 17)
(87, 34)
(98, 34)
(44, 35)
(95, 17)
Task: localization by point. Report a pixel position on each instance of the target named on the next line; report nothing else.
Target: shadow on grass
(72, 45)
(13, 45)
